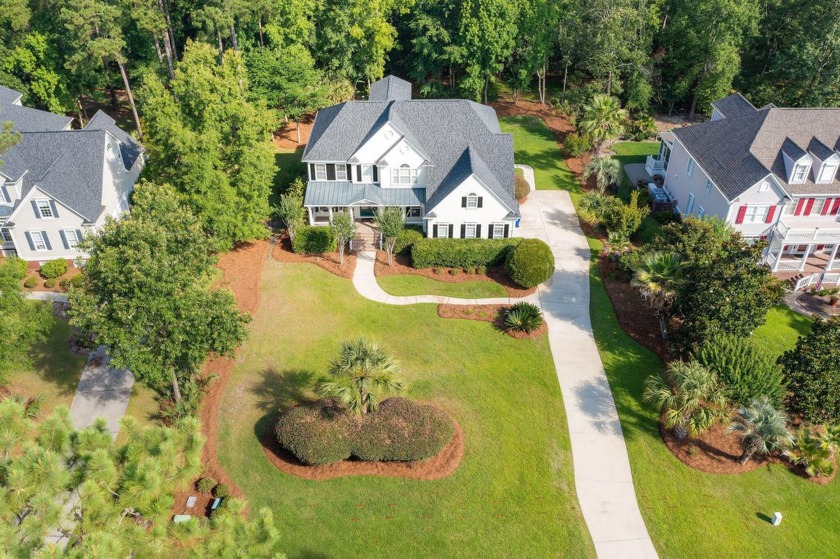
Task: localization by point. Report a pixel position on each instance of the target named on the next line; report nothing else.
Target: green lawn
(534, 145)
(55, 369)
(289, 166)
(693, 514)
(421, 285)
(781, 330)
(631, 152)
(513, 494)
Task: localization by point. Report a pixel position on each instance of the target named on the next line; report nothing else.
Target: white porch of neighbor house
(657, 165)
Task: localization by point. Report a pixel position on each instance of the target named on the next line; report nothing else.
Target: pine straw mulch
(488, 313)
(438, 466)
(402, 266)
(283, 252)
(286, 136)
(241, 272)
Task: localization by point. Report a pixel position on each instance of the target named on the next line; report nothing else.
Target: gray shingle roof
(390, 88)
(733, 105)
(26, 119)
(442, 130)
(129, 147)
(330, 193)
(739, 151)
(9, 96)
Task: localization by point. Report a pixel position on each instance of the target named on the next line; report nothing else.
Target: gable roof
(457, 137)
(66, 164)
(733, 105)
(390, 88)
(739, 151)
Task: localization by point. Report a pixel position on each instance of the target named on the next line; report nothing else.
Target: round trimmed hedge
(316, 434)
(400, 430)
(530, 263)
(521, 188)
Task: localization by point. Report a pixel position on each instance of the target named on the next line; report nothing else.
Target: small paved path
(528, 173)
(102, 392)
(603, 478)
(47, 296)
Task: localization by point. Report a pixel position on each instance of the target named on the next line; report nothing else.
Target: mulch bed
(286, 136)
(636, 317)
(402, 266)
(488, 313)
(439, 466)
(57, 288)
(283, 252)
(203, 502)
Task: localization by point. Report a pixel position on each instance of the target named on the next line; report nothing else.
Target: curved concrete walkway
(602, 469)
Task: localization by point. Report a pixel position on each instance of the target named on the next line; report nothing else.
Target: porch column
(311, 219)
(778, 257)
(805, 257)
(831, 260)
(329, 211)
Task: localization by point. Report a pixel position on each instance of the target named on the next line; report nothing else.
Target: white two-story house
(770, 173)
(56, 183)
(446, 162)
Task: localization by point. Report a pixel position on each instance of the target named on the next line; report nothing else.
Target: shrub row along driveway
(602, 470)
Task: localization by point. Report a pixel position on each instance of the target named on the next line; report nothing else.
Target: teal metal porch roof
(346, 193)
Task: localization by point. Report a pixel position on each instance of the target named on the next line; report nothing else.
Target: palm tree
(361, 371)
(762, 428)
(658, 276)
(606, 170)
(690, 396)
(603, 119)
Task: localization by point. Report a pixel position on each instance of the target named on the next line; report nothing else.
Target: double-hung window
(38, 240)
(472, 201)
(341, 172)
(756, 214)
(45, 209)
(403, 175)
(689, 168)
(470, 230)
(708, 185)
(498, 230)
(367, 173)
(320, 172)
(799, 173)
(412, 211)
(827, 172)
(72, 238)
(6, 235)
(443, 230)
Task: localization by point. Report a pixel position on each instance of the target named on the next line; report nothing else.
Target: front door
(367, 212)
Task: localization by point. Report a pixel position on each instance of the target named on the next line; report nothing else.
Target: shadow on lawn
(280, 390)
(51, 363)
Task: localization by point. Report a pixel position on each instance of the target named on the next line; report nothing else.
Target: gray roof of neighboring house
(66, 164)
(733, 105)
(331, 193)
(390, 88)
(448, 133)
(737, 152)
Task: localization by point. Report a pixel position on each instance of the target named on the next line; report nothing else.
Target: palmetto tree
(361, 372)
(659, 276)
(762, 428)
(690, 396)
(605, 169)
(603, 119)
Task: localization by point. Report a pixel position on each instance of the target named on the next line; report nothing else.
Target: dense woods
(655, 55)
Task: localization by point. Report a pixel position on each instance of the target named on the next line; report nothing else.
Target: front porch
(810, 259)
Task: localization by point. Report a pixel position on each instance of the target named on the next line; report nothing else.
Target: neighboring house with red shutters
(57, 183)
(771, 173)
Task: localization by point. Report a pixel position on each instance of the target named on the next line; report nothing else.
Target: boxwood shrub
(460, 253)
(54, 268)
(402, 430)
(530, 263)
(30, 282)
(312, 239)
(316, 434)
(15, 267)
(406, 239)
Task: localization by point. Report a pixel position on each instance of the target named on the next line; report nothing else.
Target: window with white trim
(413, 211)
(320, 172)
(367, 173)
(44, 208)
(6, 235)
(827, 172)
(756, 214)
(799, 173)
(443, 230)
(3, 197)
(72, 238)
(38, 240)
(340, 172)
(689, 168)
(472, 201)
(708, 185)
(470, 230)
(764, 186)
(789, 208)
(403, 175)
(498, 230)
(701, 212)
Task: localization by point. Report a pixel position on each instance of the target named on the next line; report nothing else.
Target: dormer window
(799, 173)
(827, 173)
(403, 175)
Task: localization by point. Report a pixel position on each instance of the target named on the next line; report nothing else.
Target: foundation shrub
(530, 263)
(311, 239)
(406, 239)
(54, 268)
(15, 267)
(460, 253)
(30, 282)
(521, 189)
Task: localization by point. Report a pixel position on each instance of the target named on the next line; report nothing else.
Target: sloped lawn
(421, 285)
(513, 494)
(694, 514)
(534, 145)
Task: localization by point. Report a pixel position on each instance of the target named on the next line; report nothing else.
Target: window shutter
(64, 239)
(358, 173)
(46, 240)
(463, 201)
(490, 231)
(330, 171)
(836, 206)
(349, 172)
(78, 235)
(35, 209)
(742, 211)
(809, 205)
(375, 173)
(312, 171)
(480, 201)
(451, 230)
(463, 231)
(507, 230)
(29, 240)
(434, 231)
(826, 206)
(54, 209)
(478, 231)
(770, 213)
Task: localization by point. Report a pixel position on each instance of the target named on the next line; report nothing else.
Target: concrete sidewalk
(102, 392)
(603, 478)
(47, 296)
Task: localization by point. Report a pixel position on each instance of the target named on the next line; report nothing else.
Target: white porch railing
(788, 265)
(823, 234)
(655, 166)
(817, 280)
